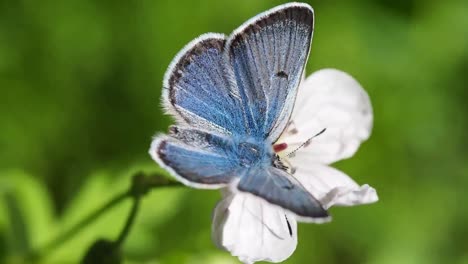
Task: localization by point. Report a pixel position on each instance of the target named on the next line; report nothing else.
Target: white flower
(254, 230)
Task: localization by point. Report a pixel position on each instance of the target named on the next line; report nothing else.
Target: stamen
(280, 147)
(291, 128)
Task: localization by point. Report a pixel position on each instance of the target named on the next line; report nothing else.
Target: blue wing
(245, 85)
(195, 158)
(205, 160)
(198, 90)
(279, 188)
(267, 56)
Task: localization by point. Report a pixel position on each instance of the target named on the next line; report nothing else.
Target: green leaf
(27, 218)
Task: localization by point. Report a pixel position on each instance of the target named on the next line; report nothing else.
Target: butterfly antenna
(306, 143)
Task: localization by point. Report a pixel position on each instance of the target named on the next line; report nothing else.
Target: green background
(80, 82)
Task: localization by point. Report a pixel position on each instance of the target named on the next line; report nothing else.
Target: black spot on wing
(282, 74)
(289, 225)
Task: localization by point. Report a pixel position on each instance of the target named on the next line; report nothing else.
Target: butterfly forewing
(268, 55)
(197, 87)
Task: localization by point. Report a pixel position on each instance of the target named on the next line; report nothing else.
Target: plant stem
(63, 238)
(130, 220)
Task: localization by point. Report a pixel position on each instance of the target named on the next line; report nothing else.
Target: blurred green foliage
(80, 82)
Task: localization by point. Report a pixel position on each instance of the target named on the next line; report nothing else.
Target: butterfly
(232, 97)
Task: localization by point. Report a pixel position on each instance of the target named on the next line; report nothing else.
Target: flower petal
(343, 196)
(332, 187)
(332, 100)
(253, 230)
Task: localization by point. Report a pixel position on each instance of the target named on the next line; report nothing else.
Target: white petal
(333, 100)
(343, 196)
(253, 230)
(332, 187)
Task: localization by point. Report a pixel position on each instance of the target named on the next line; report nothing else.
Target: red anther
(280, 147)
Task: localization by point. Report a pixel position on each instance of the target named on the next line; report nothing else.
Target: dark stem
(130, 220)
(63, 238)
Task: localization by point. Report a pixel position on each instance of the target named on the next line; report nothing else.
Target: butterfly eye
(278, 163)
(283, 164)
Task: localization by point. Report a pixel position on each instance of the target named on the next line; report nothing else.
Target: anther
(280, 147)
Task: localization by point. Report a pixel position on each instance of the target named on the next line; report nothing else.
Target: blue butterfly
(232, 97)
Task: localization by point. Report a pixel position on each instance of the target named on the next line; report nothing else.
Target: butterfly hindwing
(195, 157)
(279, 188)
